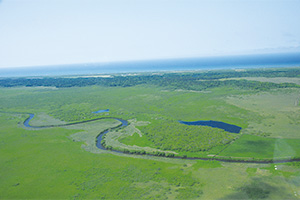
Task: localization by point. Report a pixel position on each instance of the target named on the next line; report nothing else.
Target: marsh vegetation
(267, 112)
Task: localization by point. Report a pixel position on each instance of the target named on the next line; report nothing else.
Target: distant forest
(183, 80)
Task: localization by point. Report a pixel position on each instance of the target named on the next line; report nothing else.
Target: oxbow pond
(215, 124)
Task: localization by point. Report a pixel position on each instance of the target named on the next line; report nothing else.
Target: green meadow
(253, 146)
(64, 162)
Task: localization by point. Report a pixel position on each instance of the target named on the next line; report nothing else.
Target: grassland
(48, 164)
(159, 109)
(252, 146)
(279, 110)
(63, 162)
(268, 79)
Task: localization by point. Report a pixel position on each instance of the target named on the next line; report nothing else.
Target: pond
(101, 111)
(215, 124)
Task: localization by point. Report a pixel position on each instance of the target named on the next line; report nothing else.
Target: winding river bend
(125, 123)
(98, 138)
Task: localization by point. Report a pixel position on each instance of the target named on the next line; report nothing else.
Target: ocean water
(224, 62)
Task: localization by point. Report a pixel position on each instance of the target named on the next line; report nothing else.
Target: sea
(182, 64)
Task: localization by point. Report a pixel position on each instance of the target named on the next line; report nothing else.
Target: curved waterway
(99, 137)
(125, 123)
(26, 122)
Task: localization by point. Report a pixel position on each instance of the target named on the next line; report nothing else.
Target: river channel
(125, 123)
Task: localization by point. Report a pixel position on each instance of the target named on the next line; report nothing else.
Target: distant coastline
(182, 64)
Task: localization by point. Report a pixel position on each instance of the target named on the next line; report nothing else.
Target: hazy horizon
(156, 65)
(64, 32)
(154, 60)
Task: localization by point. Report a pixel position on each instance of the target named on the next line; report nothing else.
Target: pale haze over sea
(59, 37)
(205, 63)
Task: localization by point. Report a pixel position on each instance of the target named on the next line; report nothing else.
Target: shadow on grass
(258, 188)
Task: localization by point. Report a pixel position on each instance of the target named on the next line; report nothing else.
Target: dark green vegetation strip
(187, 81)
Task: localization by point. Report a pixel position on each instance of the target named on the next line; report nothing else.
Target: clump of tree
(170, 154)
(170, 135)
(140, 152)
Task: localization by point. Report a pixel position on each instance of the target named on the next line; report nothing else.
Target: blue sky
(50, 32)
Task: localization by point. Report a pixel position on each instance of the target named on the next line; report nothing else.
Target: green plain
(63, 163)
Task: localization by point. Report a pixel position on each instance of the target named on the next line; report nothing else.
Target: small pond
(101, 111)
(215, 124)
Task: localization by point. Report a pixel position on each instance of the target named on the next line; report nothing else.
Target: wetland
(62, 140)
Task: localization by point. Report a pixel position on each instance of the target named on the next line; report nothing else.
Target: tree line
(187, 81)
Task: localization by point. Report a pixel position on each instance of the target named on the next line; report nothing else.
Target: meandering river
(124, 123)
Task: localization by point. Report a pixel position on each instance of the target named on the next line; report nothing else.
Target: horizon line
(148, 60)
